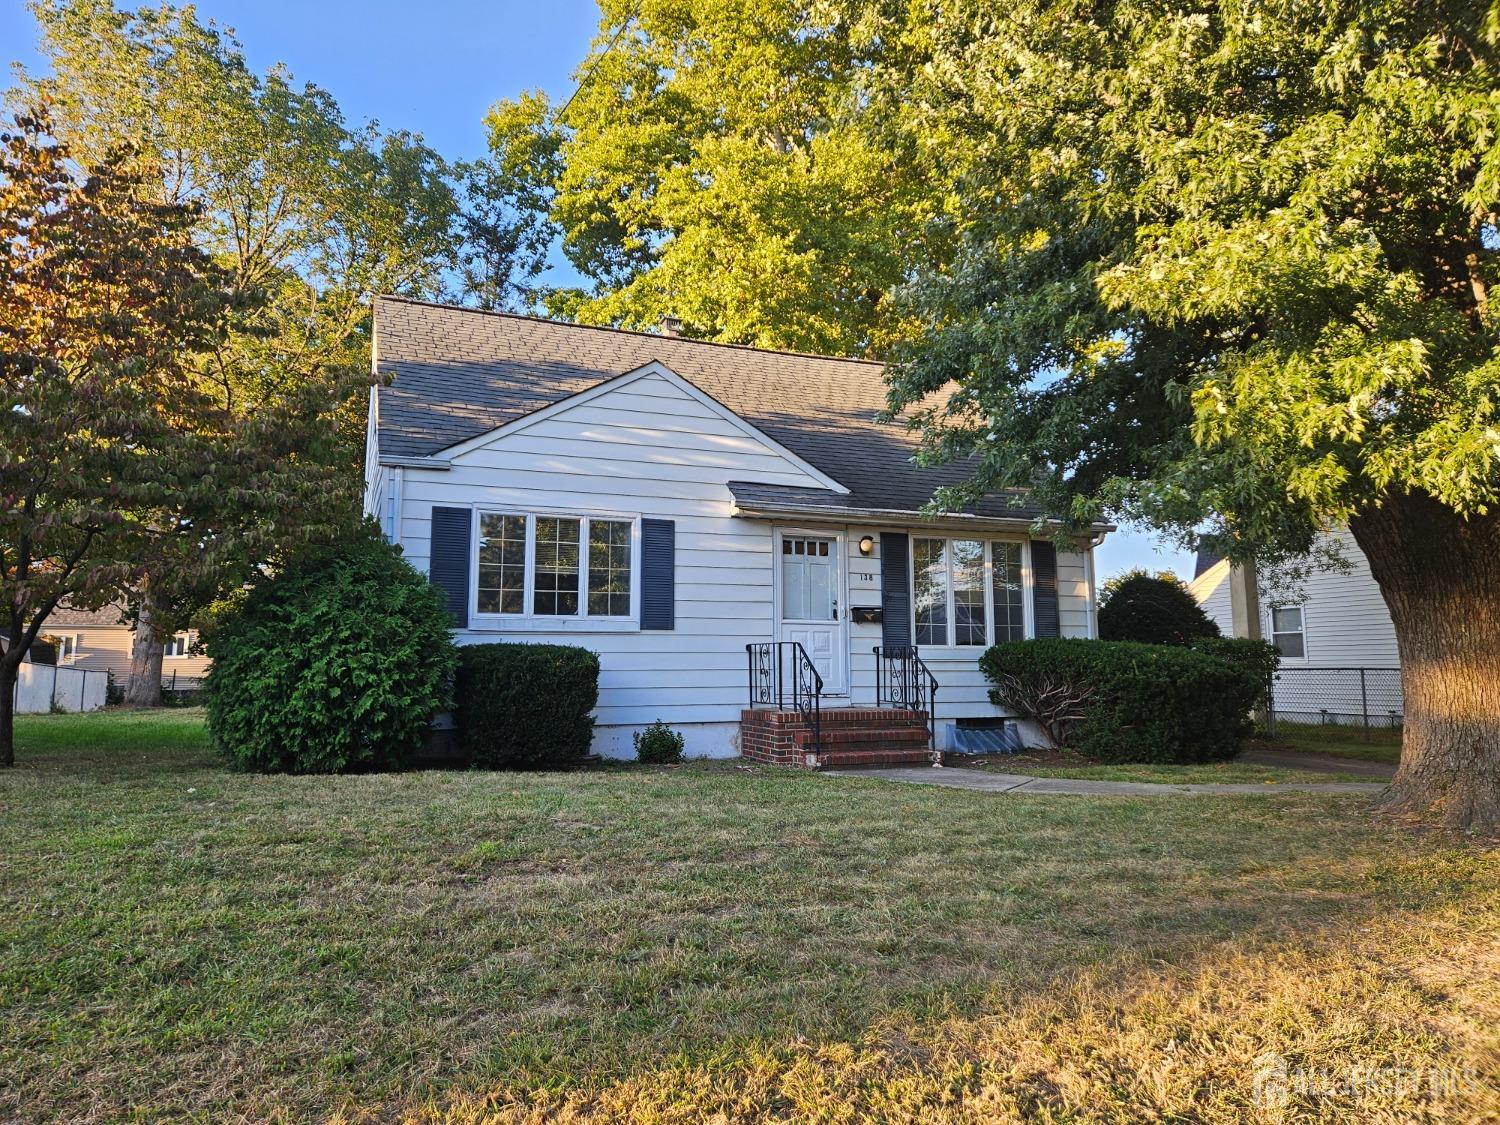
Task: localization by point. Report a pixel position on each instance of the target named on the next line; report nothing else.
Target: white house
(707, 518)
(1338, 647)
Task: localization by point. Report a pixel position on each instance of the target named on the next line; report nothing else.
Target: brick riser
(863, 737)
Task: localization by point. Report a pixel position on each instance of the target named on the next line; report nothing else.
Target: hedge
(334, 664)
(522, 706)
(1121, 701)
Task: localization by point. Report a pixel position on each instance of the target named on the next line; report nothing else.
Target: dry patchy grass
(685, 944)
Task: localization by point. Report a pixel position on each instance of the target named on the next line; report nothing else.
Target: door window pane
(968, 592)
(555, 584)
(502, 564)
(609, 568)
(1010, 612)
(930, 590)
(807, 580)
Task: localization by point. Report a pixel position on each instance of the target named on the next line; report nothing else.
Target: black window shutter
(449, 564)
(895, 588)
(658, 574)
(1044, 589)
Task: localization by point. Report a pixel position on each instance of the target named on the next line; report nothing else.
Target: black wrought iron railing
(902, 679)
(782, 675)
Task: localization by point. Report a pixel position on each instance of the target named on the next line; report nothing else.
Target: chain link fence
(1363, 698)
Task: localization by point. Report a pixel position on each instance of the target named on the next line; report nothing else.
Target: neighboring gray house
(1330, 626)
(719, 523)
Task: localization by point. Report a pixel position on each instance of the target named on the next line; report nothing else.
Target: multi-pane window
(929, 590)
(178, 645)
(1007, 591)
(807, 580)
(609, 568)
(967, 592)
(554, 566)
(502, 564)
(1288, 632)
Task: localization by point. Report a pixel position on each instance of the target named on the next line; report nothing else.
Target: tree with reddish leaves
(117, 450)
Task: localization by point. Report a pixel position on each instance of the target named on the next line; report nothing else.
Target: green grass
(1384, 744)
(672, 943)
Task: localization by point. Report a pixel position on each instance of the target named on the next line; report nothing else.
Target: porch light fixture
(866, 545)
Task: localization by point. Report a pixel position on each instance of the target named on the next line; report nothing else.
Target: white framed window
(66, 645)
(544, 565)
(178, 645)
(1289, 631)
(968, 593)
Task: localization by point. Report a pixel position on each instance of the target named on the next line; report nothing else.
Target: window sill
(491, 624)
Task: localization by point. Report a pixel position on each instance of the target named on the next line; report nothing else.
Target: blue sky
(434, 68)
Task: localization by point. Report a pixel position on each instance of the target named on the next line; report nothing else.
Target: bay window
(554, 566)
(967, 592)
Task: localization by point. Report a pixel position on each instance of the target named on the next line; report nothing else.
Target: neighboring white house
(1332, 625)
(666, 502)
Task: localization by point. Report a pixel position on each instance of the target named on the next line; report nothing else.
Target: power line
(610, 46)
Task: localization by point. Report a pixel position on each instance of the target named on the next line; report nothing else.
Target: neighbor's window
(553, 566)
(178, 646)
(66, 645)
(1288, 633)
(967, 592)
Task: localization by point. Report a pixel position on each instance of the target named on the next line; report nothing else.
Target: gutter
(436, 464)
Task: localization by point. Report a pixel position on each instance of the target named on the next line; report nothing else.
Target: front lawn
(671, 943)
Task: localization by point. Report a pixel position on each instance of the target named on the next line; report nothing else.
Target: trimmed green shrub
(1119, 701)
(659, 744)
(335, 664)
(1157, 610)
(526, 706)
(1259, 658)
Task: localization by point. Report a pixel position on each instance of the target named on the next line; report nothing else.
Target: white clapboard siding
(1345, 618)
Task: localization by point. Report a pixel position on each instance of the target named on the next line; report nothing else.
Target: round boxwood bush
(524, 706)
(659, 744)
(1119, 701)
(336, 663)
(1155, 610)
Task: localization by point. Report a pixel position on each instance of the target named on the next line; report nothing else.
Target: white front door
(810, 612)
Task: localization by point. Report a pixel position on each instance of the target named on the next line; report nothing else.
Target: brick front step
(849, 736)
(841, 736)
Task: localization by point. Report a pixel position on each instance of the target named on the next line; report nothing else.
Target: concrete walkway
(958, 778)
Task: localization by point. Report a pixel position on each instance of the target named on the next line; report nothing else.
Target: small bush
(335, 664)
(1119, 701)
(659, 744)
(1156, 610)
(526, 706)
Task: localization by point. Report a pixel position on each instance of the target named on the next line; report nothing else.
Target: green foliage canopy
(1218, 262)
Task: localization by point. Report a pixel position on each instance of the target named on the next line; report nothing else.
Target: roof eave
(843, 514)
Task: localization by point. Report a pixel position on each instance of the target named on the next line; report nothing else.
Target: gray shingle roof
(457, 373)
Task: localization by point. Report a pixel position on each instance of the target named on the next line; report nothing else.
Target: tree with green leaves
(114, 449)
(317, 215)
(717, 164)
(1230, 265)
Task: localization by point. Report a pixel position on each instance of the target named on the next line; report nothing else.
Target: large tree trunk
(146, 648)
(1440, 576)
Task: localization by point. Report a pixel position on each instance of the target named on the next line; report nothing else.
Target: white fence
(45, 687)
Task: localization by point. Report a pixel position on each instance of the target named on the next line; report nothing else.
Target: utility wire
(584, 81)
